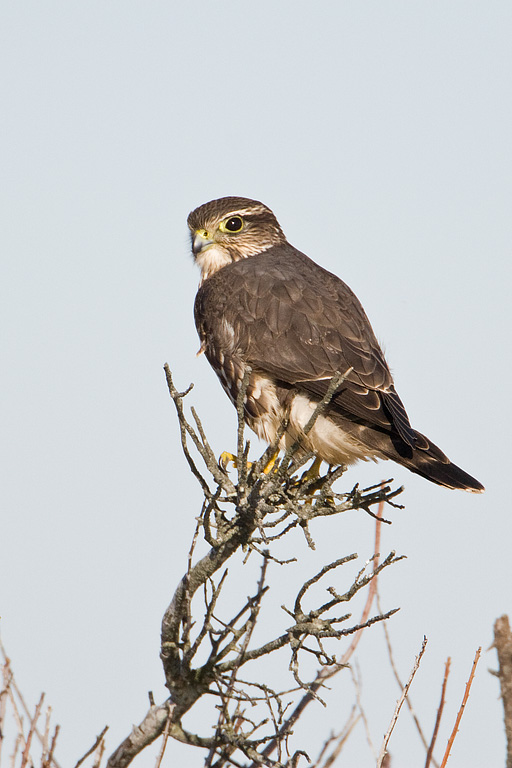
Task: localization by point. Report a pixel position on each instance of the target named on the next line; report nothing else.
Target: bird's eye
(233, 224)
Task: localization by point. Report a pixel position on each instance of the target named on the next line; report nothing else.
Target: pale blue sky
(379, 133)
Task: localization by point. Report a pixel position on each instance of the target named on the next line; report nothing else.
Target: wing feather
(298, 323)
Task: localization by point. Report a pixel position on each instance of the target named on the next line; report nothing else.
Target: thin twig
(17, 744)
(462, 707)
(52, 748)
(4, 694)
(17, 716)
(439, 713)
(98, 740)
(201, 446)
(165, 737)
(357, 687)
(26, 752)
(99, 755)
(401, 685)
(14, 690)
(46, 736)
(399, 703)
(372, 588)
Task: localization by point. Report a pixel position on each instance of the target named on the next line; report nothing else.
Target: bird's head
(230, 229)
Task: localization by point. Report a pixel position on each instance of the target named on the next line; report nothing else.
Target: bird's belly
(266, 406)
(328, 440)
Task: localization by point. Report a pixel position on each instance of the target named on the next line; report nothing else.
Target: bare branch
(383, 749)
(164, 743)
(327, 672)
(12, 691)
(265, 504)
(503, 645)
(462, 707)
(438, 715)
(201, 446)
(142, 735)
(26, 752)
(401, 686)
(98, 741)
(50, 758)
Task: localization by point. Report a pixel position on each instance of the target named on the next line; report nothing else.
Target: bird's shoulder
(280, 274)
(288, 314)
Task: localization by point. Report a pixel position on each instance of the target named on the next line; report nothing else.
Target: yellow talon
(270, 465)
(227, 458)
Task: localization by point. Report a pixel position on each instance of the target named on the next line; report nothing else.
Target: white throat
(211, 260)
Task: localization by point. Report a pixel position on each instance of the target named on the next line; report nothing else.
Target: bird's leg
(313, 472)
(270, 465)
(227, 458)
(311, 478)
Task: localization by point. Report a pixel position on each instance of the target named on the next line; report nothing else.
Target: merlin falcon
(263, 305)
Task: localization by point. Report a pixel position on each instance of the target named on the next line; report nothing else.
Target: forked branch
(208, 653)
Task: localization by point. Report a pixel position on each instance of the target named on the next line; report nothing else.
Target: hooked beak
(201, 241)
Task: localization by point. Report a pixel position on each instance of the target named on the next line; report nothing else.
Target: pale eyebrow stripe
(248, 211)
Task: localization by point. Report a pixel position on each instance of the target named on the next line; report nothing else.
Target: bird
(268, 315)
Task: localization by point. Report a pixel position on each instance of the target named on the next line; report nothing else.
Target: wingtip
(443, 473)
(477, 489)
(461, 481)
